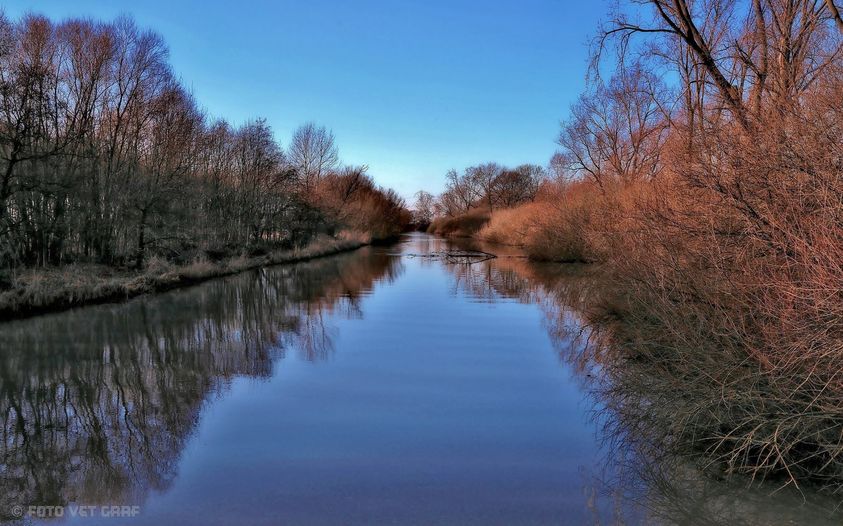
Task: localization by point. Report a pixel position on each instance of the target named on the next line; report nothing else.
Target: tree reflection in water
(639, 481)
(97, 403)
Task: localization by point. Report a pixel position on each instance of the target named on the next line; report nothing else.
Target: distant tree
(461, 193)
(424, 208)
(558, 166)
(489, 185)
(313, 153)
(350, 199)
(448, 204)
(513, 187)
(484, 177)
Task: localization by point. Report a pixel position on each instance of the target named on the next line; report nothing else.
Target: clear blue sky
(411, 88)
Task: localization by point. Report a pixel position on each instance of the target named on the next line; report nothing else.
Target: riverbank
(545, 232)
(55, 289)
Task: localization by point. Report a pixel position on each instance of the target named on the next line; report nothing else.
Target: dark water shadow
(97, 404)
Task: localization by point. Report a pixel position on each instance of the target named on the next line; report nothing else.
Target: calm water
(376, 387)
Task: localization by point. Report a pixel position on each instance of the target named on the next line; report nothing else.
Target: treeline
(105, 157)
(705, 174)
(475, 193)
(488, 186)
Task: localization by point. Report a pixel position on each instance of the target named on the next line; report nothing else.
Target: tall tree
(313, 153)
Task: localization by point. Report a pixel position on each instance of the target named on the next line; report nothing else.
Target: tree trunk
(835, 14)
(141, 240)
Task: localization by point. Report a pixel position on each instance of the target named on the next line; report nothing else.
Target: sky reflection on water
(369, 387)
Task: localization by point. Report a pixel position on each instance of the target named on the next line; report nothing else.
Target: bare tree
(461, 193)
(513, 187)
(483, 177)
(424, 207)
(616, 132)
(167, 157)
(313, 152)
(778, 49)
(104, 156)
(835, 14)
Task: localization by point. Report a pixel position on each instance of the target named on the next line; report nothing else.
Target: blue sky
(410, 88)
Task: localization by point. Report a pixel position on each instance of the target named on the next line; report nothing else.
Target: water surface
(375, 387)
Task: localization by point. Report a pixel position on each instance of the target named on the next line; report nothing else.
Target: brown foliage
(464, 225)
(725, 311)
(350, 198)
(716, 208)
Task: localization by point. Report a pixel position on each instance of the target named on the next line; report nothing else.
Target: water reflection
(637, 481)
(97, 404)
(443, 412)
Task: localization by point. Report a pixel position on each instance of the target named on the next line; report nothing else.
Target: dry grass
(354, 236)
(725, 310)
(514, 226)
(466, 225)
(721, 327)
(52, 289)
(200, 269)
(39, 289)
(567, 224)
(569, 227)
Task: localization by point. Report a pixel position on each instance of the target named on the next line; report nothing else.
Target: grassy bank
(714, 204)
(40, 291)
(560, 226)
(465, 225)
(718, 324)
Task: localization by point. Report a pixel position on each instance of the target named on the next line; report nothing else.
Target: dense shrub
(464, 225)
(716, 211)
